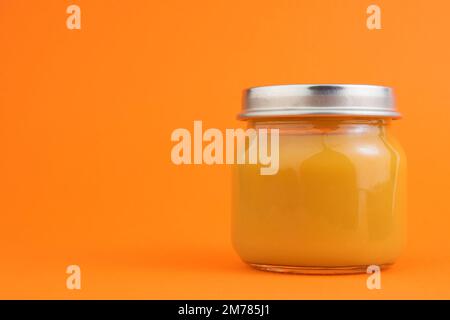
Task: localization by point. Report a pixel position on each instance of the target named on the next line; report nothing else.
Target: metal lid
(301, 100)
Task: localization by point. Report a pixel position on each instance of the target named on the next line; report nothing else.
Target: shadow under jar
(337, 203)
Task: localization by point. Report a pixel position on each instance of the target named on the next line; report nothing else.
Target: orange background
(85, 123)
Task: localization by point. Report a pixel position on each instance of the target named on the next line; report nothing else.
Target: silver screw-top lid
(313, 100)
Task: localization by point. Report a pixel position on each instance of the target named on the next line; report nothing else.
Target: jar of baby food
(337, 203)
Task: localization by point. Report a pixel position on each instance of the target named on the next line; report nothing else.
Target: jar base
(315, 270)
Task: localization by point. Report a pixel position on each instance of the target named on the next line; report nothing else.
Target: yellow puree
(338, 200)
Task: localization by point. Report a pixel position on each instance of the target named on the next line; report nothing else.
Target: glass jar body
(336, 205)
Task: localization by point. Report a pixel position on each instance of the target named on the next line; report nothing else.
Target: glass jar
(337, 201)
